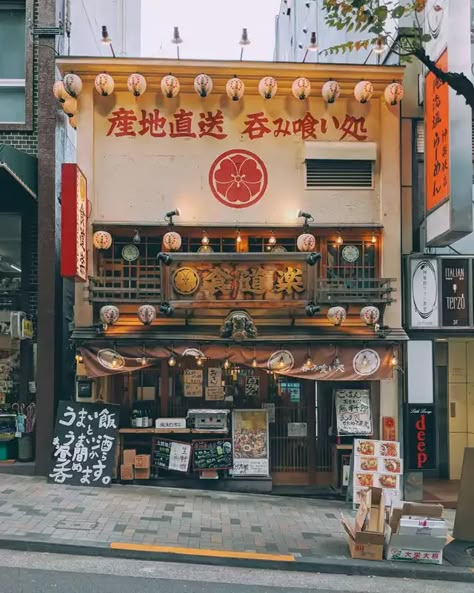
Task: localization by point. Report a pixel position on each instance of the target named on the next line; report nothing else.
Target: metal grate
(339, 173)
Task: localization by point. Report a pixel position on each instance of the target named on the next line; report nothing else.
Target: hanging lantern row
(71, 87)
(368, 314)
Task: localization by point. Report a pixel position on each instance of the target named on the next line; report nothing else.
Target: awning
(20, 167)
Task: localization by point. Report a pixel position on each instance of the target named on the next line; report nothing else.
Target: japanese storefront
(240, 301)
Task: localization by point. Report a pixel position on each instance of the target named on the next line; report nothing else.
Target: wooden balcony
(376, 291)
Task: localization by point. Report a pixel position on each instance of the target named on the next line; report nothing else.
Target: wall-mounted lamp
(166, 309)
(313, 258)
(165, 258)
(311, 309)
(373, 239)
(312, 45)
(106, 39)
(169, 215)
(244, 40)
(394, 359)
(176, 40)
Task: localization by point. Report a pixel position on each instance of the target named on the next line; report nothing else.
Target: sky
(210, 29)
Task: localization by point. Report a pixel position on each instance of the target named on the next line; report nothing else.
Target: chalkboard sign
(213, 454)
(84, 444)
(171, 455)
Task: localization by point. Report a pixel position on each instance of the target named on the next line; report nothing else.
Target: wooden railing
(358, 291)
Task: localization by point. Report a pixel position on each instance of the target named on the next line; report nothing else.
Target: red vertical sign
(73, 223)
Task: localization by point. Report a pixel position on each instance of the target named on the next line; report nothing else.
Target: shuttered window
(352, 174)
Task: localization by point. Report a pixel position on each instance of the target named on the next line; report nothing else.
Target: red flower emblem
(238, 178)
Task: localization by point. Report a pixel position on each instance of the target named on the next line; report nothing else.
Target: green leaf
(398, 12)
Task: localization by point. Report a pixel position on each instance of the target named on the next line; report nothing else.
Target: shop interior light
(281, 363)
(165, 258)
(115, 361)
(226, 364)
(238, 237)
(308, 362)
(339, 239)
(136, 237)
(172, 361)
(373, 239)
(394, 360)
(143, 361)
(205, 238)
(199, 361)
(365, 361)
(254, 363)
(79, 358)
(272, 239)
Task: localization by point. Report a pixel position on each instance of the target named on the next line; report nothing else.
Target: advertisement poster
(250, 443)
(193, 383)
(424, 293)
(214, 377)
(454, 292)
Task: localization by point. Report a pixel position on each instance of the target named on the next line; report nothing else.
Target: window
(352, 264)
(351, 174)
(12, 62)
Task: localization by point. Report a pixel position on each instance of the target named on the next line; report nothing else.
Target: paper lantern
(73, 122)
(136, 84)
(370, 314)
(301, 88)
(104, 84)
(235, 88)
(331, 91)
(70, 106)
(363, 91)
(146, 314)
(170, 86)
(337, 315)
(306, 242)
(109, 314)
(268, 87)
(203, 85)
(393, 93)
(59, 91)
(73, 85)
(102, 240)
(171, 241)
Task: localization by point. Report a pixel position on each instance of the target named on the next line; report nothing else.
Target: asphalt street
(24, 572)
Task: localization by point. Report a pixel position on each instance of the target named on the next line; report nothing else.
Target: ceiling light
(205, 238)
(172, 361)
(272, 239)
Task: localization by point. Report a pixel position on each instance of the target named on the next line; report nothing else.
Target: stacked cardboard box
(142, 467)
(135, 467)
(416, 533)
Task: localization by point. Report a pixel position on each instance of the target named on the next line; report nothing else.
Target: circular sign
(186, 281)
(366, 362)
(424, 289)
(130, 252)
(238, 178)
(350, 253)
(110, 359)
(281, 361)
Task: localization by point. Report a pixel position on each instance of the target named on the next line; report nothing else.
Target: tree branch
(458, 81)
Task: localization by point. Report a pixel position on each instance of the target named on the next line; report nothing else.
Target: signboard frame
(171, 441)
(236, 472)
(429, 435)
(224, 467)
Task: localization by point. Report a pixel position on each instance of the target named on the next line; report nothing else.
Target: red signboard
(437, 137)
(73, 223)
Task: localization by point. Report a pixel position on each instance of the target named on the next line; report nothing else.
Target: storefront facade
(239, 255)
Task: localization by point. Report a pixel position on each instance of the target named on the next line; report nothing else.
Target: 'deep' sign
(421, 437)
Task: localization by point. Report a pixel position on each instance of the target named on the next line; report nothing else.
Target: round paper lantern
(203, 85)
(104, 84)
(59, 91)
(136, 84)
(337, 315)
(73, 122)
(363, 91)
(268, 87)
(171, 241)
(146, 314)
(301, 88)
(306, 242)
(235, 88)
(169, 86)
(73, 85)
(102, 240)
(70, 106)
(109, 314)
(393, 93)
(369, 314)
(331, 91)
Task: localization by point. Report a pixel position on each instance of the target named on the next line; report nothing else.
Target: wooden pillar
(164, 388)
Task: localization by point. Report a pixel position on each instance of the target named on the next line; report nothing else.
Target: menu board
(84, 444)
(250, 443)
(377, 464)
(215, 393)
(353, 412)
(212, 454)
(193, 383)
(252, 386)
(171, 455)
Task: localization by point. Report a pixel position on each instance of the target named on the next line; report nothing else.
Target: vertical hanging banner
(421, 437)
(73, 223)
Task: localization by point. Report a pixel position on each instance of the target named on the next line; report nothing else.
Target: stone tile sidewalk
(34, 510)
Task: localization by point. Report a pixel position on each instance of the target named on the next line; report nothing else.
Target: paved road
(23, 572)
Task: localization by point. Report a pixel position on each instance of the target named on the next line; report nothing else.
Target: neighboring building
(237, 299)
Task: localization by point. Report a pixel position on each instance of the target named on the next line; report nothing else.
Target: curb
(315, 565)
